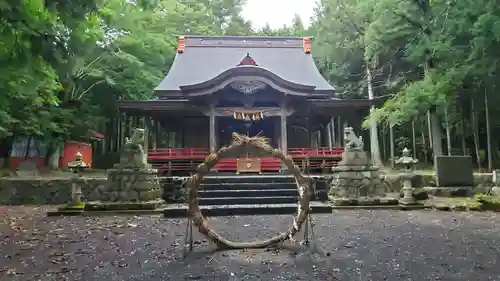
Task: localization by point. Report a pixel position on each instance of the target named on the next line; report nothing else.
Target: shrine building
(267, 86)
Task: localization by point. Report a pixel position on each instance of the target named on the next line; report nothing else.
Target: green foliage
(422, 53)
(66, 63)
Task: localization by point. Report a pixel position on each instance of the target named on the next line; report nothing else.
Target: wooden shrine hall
(268, 86)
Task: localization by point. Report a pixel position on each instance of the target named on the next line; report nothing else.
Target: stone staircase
(250, 195)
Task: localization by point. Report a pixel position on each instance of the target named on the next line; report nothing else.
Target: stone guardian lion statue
(353, 143)
(133, 155)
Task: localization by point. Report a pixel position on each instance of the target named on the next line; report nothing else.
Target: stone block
(454, 171)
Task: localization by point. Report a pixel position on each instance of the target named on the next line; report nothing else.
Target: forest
(65, 63)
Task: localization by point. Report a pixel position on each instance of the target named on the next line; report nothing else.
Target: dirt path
(356, 245)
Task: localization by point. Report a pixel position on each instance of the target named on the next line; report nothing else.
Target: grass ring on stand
(256, 146)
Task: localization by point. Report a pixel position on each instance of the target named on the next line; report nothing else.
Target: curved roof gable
(205, 58)
(248, 72)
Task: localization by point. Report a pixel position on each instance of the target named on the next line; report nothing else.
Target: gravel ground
(354, 245)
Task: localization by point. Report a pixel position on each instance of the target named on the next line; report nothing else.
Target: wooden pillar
(147, 125)
(154, 140)
(320, 139)
(284, 141)
(115, 133)
(211, 129)
(334, 137)
(341, 132)
(120, 131)
(314, 139)
(329, 134)
(277, 129)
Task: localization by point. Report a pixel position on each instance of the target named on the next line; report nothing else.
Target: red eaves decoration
(306, 43)
(248, 60)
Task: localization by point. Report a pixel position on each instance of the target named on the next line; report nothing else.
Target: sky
(277, 12)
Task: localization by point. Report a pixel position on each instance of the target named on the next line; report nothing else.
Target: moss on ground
(113, 206)
(488, 202)
(454, 204)
(79, 206)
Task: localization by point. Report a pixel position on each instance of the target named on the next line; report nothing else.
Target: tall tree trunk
(462, 137)
(384, 144)
(429, 128)
(414, 139)
(488, 131)
(374, 143)
(448, 133)
(6, 150)
(475, 133)
(392, 144)
(436, 135)
(28, 146)
(437, 149)
(424, 142)
(53, 154)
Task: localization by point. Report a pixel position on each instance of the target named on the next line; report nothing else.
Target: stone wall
(46, 191)
(483, 182)
(55, 191)
(58, 190)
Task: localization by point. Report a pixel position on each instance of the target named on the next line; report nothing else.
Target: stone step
(247, 186)
(247, 200)
(180, 211)
(248, 193)
(249, 179)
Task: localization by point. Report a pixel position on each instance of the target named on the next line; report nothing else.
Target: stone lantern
(77, 166)
(409, 164)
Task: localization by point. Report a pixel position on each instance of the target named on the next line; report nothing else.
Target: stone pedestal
(130, 189)
(356, 180)
(407, 190)
(132, 183)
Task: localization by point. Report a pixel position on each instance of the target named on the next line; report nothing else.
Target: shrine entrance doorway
(263, 127)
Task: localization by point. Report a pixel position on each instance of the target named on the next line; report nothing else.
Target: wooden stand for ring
(309, 237)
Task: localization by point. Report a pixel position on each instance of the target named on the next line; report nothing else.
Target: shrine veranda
(266, 86)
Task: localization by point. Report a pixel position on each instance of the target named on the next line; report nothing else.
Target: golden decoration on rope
(258, 146)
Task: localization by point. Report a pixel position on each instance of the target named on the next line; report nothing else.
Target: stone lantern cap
(78, 162)
(406, 158)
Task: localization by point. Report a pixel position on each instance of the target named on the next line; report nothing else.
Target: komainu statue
(355, 179)
(132, 183)
(133, 155)
(353, 143)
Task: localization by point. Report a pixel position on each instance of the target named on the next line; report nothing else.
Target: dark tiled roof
(204, 58)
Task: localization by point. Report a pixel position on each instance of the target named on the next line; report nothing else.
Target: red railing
(186, 159)
(201, 153)
(177, 153)
(316, 152)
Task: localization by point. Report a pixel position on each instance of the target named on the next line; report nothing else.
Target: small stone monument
(356, 181)
(132, 183)
(409, 163)
(27, 168)
(454, 177)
